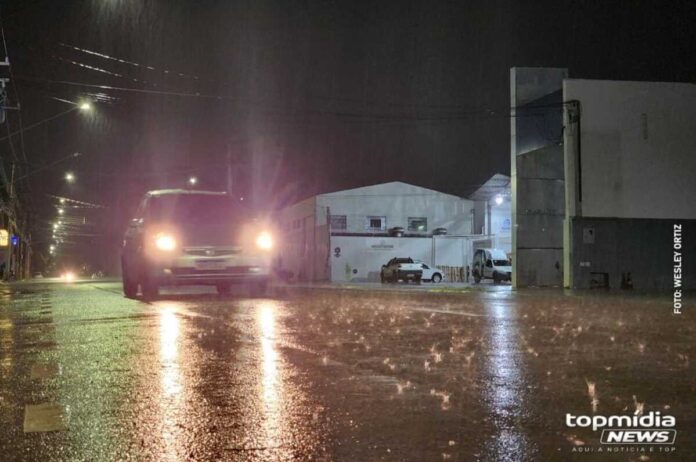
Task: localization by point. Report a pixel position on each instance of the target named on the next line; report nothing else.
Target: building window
(418, 224)
(376, 223)
(338, 222)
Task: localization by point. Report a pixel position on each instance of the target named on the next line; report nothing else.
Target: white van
(491, 264)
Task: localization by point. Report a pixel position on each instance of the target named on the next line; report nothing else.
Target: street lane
(334, 374)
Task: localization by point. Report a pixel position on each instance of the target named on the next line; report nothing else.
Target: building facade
(348, 235)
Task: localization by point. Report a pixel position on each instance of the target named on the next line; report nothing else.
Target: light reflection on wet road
(336, 375)
(170, 384)
(505, 393)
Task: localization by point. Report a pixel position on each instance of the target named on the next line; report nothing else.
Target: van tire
(130, 287)
(150, 290)
(259, 289)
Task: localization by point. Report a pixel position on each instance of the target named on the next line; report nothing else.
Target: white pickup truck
(401, 269)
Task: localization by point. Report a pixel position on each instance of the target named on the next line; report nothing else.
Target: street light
(70, 177)
(61, 211)
(192, 180)
(85, 106)
(498, 199)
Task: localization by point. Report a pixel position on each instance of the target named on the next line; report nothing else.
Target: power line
(36, 124)
(43, 167)
(80, 204)
(129, 89)
(131, 63)
(459, 115)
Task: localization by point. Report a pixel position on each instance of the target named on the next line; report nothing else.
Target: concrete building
(348, 235)
(630, 169)
(601, 173)
(537, 177)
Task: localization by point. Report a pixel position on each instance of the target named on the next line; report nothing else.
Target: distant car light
(68, 276)
(165, 242)
(264, 241)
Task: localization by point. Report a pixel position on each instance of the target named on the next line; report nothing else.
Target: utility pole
(8, 208)
(18, 247)
(4, 79)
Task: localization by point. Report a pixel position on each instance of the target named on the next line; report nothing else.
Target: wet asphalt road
(336, 375)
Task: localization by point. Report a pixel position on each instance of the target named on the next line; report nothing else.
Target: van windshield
(193, 208)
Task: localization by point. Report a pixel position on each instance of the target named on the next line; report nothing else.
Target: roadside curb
(391, 289)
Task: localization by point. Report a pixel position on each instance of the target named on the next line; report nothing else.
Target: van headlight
(165, 242)
(264, 241)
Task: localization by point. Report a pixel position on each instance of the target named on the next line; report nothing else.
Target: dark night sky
(310, 96)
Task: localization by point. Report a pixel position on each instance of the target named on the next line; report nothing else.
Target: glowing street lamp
(61, 211)
(70, 177)
(85, 106)
(192, 181)
(498, 199)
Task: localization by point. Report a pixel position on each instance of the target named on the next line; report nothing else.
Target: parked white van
(491, 264)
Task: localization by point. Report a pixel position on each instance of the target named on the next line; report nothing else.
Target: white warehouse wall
(360, 258)
(638, 149)
(501, 226)
(302, 246)
(397, 202)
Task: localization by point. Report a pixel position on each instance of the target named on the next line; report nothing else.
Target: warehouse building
(348, 235)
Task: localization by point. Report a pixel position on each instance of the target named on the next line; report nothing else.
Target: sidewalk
(442, 287)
